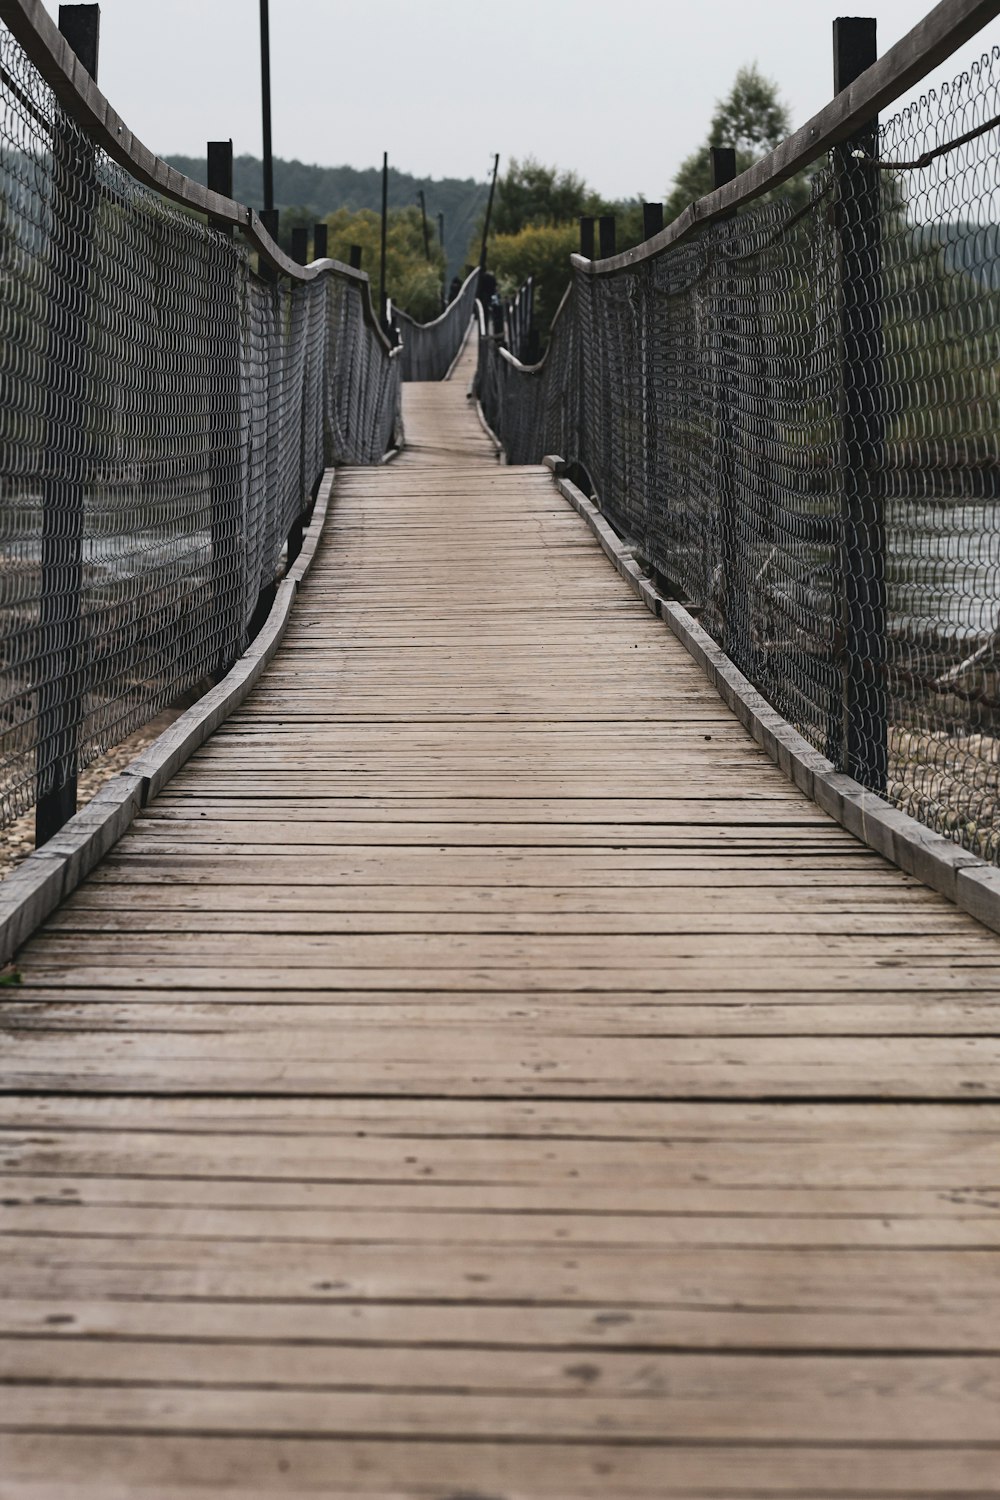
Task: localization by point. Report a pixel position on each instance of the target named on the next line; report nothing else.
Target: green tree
(753, 119)
(535, 230)
(412, 281)
(531, 194)
(541, 251)
(299, 216)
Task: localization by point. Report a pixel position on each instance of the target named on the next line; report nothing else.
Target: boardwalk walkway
(482, 1074)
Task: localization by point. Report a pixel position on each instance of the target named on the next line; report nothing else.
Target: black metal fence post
(606, 224)
(300, 245)
(265, 105)
(723, 165)
(423, 221)
(60, 615)
(220, 177)
(355, 258)
(382, 312)
(270, 220)
(587, 236)
(321, 241)
(652, 219)
(225, 463)
(861, 735)
(652, 223)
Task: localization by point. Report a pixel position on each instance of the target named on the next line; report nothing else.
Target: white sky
(619, 93)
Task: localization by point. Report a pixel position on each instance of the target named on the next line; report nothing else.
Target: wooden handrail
(941, 32)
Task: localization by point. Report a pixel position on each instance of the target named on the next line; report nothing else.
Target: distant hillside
(322, 189)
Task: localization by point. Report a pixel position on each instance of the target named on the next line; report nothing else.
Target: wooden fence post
(62, 670)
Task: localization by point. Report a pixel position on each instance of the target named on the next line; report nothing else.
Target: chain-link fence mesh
(430, 349)
(795, 419)
(165, 414)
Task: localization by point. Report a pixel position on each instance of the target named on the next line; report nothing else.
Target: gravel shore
(18, 839)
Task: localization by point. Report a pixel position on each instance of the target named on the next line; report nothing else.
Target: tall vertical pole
(444, 276)
(265, 94)
(587, 236)
(489, 215)
(60, 610)
(862, 750)
(486, 235)
(321, 241)
(385, 223)
(423, 217)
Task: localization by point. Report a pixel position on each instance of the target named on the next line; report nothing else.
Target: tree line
(535, 224)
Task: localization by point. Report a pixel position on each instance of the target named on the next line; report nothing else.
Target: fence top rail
(537, 368)
(941, 32)
(404, 316)
(48, 50)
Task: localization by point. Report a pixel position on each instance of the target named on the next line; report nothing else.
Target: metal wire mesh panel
(795, 419)
(535, 410)
(164, 417)
(429, 349)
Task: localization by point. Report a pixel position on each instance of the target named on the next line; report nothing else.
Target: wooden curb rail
(968, 881)
(33, 891)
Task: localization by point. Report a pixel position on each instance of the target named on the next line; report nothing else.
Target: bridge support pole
(61, 691)
(858, 729)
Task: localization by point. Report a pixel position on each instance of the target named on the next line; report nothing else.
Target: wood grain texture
(481, 1073)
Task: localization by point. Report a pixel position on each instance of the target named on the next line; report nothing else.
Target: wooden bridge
(481, 1073)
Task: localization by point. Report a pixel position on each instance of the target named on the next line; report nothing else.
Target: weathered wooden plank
(482, 1073)
(255, 1465)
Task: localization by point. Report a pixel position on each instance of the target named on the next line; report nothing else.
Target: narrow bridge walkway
(482, 1075)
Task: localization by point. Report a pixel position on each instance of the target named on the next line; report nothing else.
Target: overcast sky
(618, 92)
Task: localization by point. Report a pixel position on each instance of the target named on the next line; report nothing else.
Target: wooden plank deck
(482, 1074)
